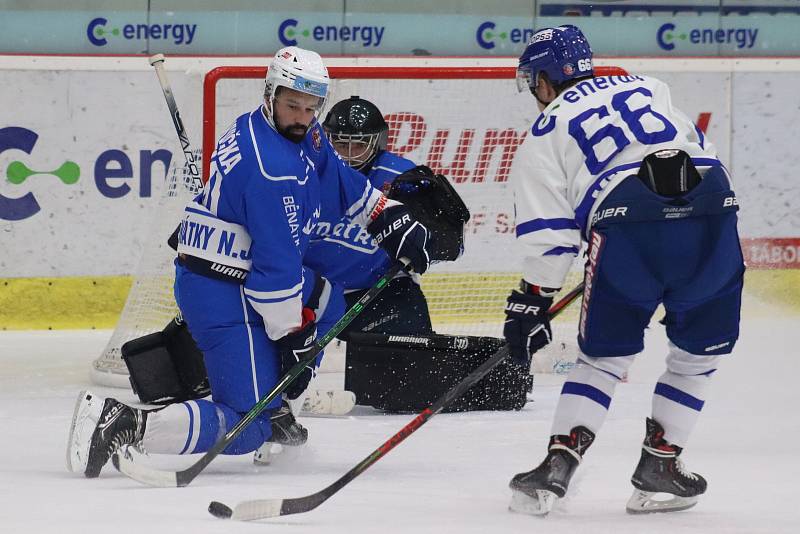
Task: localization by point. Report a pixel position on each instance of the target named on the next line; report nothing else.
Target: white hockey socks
(680, 393)
(177, 428)
(587, 393)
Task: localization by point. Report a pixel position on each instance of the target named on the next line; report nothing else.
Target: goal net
(463, 122)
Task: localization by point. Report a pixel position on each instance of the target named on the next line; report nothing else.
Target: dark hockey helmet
(563, 53)
(357, 130)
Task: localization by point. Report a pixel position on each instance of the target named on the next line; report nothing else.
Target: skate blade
(540, 505)
(265, 453)
(277, 454)
(77, 446)
(644, 502)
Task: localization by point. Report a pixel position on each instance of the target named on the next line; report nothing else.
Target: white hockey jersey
(583, 145)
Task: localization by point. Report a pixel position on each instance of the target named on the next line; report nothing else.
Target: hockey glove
(401, 236)
(293, 347)
(527, 326)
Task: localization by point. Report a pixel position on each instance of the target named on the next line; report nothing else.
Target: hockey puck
(217, 509)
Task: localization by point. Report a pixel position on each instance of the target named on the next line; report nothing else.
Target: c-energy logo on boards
(113, 168)
(487, 35)
(668, 36)
(16, 209)
(290, 35)
(98, 32)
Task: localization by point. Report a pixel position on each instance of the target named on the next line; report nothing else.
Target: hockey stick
(166, 479)
(192, 162)
(264, 508)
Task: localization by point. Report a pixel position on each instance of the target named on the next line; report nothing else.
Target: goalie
(395, 362)
(349, 255)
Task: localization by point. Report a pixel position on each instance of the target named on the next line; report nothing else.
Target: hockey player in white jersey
(251, 304)
(611, 161)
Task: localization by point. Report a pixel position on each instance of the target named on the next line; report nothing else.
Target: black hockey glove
(293, 347)
(401, 236)
(527, 326)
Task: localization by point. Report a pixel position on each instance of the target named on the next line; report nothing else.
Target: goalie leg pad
(406, 373)
(166, 366)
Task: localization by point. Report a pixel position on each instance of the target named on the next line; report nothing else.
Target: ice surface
(450, 476)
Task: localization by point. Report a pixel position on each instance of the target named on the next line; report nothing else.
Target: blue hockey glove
(401, 236)
(293, 347)
(527, 326)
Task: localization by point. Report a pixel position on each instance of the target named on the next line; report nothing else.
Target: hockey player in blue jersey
(611, 161)
(347, 253)
(252, 305)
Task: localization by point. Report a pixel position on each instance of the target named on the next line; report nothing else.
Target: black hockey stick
(192, 160)
(264, 508)
(124, 462)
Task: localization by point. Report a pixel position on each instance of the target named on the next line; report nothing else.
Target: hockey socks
(680, 393)
(195, 426)
(587, 393)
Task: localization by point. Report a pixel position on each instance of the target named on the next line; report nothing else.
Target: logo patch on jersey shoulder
(316, 139)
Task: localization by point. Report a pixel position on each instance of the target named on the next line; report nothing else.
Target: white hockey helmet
(298, 69)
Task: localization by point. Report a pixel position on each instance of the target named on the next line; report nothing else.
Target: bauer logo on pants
(595, 247)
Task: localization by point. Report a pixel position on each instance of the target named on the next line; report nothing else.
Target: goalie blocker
(406, 373)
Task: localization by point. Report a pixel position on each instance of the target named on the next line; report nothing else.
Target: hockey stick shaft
(260, 509)
(156, 477)
(192, 160)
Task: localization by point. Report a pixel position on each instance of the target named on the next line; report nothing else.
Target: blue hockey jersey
(261, 203)
(343, 251)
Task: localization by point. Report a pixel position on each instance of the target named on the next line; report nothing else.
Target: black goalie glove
(434, 202)
(293, 347)
(398, 233)
(527, 326)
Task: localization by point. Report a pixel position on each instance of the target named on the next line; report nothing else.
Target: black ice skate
(661, 471)
(84, 420)
(535, 492)
(99, 429)
(286, 431)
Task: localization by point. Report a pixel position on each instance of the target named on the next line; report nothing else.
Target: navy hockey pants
(685, 255)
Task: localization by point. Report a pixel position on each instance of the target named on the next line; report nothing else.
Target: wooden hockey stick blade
(123, 459)
(266, 508)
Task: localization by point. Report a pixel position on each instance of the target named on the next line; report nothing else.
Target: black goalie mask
(357, 130)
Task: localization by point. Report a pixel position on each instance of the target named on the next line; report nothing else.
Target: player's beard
(294, 132)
